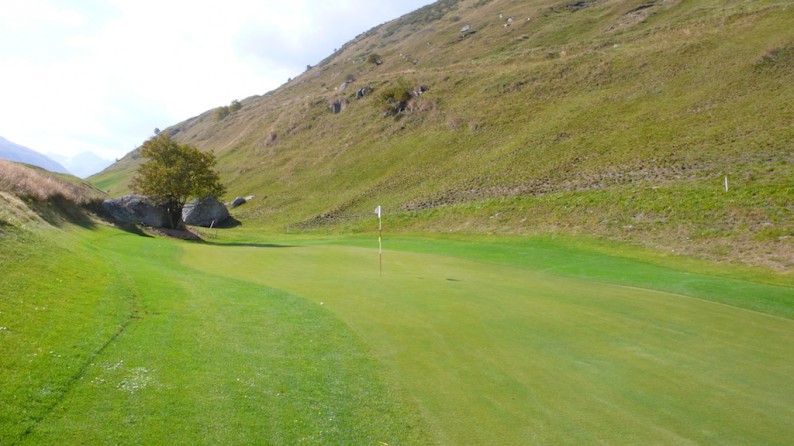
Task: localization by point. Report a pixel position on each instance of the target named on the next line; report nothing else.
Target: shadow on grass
(249, 245)
(229, 223)
(132, 229)
(96, 208)
(59, 211)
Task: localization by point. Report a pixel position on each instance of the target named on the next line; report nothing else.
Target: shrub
(375, 59)
(220, 113)
(394, 98)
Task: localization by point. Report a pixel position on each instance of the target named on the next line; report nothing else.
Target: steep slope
(619, 118)
(31, 197)
(21, 154)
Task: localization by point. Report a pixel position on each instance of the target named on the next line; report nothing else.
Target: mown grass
(541, 341)
(109, 340)
(286, 339)
(60, 303)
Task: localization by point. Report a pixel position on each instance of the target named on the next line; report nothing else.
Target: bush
(375, 59)
(220, 113)
(225, 110)
(394, 98)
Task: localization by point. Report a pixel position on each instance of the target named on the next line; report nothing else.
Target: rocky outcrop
(133, 209)
(337, 105)
(205, 212)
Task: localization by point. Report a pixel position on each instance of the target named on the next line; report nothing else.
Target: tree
(175, 173)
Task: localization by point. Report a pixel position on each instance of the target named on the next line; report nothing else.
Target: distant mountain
(14, 152)
(82, 165)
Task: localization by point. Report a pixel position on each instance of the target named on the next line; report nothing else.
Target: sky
(101, 75)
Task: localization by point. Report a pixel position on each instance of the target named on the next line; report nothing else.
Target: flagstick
(380, 245)
(380, 240)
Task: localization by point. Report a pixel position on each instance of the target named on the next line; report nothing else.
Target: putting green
(490, 353)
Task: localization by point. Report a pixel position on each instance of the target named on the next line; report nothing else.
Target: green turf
(494, 353)
(115, 338)
(140, 350)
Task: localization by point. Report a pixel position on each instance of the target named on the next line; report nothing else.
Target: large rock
(135, 209)
(205, 212)
(239, 201)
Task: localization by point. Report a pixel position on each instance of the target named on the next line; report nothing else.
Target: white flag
(377, 211)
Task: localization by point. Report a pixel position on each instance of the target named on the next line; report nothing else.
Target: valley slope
(620, 119)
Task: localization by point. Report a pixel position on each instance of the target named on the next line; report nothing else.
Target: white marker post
(380, 241)
(726, 183)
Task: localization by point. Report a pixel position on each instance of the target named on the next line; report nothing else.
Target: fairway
(137, 340)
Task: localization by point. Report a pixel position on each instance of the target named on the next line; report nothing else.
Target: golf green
(490, 353)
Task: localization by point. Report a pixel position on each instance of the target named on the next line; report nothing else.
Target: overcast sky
(100, 75)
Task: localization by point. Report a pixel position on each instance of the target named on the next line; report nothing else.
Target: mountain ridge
(83, 164)
(11, 151)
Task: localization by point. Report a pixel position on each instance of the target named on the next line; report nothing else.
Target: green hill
(614, 118)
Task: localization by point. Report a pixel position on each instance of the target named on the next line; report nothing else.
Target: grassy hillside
(33, 196)
(619, 118)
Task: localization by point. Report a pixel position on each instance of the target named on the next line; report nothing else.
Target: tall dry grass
(29, 183)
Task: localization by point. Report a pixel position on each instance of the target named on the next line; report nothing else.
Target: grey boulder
(205, 212)
(132, 209)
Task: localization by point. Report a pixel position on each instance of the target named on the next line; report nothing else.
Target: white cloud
(99, 76)
(19, 16)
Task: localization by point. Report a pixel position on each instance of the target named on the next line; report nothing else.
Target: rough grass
(32, 183)
(30, 196)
